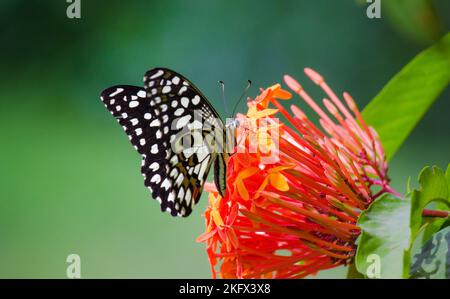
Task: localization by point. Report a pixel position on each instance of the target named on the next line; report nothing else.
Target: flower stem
(388, 189)
(435, 213)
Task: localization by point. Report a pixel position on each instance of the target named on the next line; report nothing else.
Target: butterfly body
(178, 133)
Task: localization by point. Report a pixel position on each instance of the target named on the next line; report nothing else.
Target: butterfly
(178, 134)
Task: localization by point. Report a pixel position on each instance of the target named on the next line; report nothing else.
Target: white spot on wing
(154, 149)
(166, 89)
(155, 123)
(181, 193)
(173, 172)
(182, 90)
(196, 100)
(154, 166)
(185, 102)
(171, 197)
(134, 104)
(176, 80)
(166, 184)
(156, 179)
(188, 197)
(157, 74)
(179, 179)
(118, 90)
(141, 94)
(174, 160)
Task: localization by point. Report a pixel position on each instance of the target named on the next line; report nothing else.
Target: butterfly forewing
(129, 105)
(170, 123)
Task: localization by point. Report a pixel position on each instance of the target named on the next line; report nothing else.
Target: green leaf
(427, 230)
(394, 228)
(384, 239)
(399, 106)
(433, 187)
(447, 176)
(433, 260)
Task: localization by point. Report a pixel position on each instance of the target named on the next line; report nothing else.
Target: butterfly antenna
(244, 93)
(224, 100)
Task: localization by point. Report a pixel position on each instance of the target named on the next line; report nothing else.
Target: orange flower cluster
(294, 191)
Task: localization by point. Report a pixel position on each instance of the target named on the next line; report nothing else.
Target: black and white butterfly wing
(129, 105)
(171, 125)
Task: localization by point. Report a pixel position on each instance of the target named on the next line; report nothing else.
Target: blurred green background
(70, 181)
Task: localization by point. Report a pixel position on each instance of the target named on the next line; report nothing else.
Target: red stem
(435, 213)
(425, 212)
